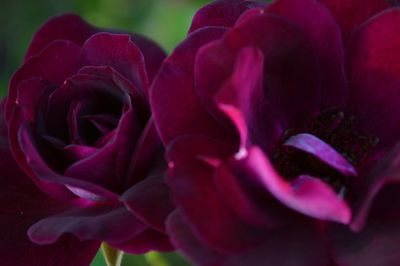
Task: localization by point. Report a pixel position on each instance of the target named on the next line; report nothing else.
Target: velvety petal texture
(280, 122)
(78, 131)
(23, 204)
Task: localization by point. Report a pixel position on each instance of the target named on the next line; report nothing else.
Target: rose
(80, 127)
(283, 134)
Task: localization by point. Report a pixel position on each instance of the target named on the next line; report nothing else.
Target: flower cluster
(269, 136)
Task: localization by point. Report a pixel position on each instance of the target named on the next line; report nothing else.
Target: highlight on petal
(294, 64)
(306, 194)
(323, 151)
(242, 99)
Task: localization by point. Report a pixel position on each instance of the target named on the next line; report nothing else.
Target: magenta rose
(283, 134)
(87, 162)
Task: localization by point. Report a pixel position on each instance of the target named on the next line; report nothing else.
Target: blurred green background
(165, 21)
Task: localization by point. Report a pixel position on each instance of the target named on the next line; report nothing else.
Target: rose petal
(92, 95)
(289, 61)
(183, 239)
(350, 14)
(21, 205)
(325, 35)
(302, 242)
(68, 27)
(376, 243)
(108, 167)
(374, 73)
(150, 201)
(241, 98)
(385, 172)
(153, 54)
(306, 194)
(223, 13)
(173, 90)
(323, 151)
(119, 52)
(112, 76)
(245, 201)
(17, 120)
(192, 185)
(53, 64)
(39, 168)
(143, 158)
(110, 223)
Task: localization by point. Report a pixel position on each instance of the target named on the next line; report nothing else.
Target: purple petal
(119, 52)
(184, 240)
(294, 64)
(241, 99)
(306, 194)
(323, 151)
(153, 54)
(191, 182)
(112, 76)
(223, 13)
(16, 121)
(301, 243)
(349, 14)
(143, 158)
(39, 169)
(23, 204)
(69, 27)
(325, 35)
(110, 223)
(173, 90)
(108, 167)
(150, 201)
(377, 242)
(82, 94)
(53, 64)
(374, 74)
(385, 172)
(245, 201)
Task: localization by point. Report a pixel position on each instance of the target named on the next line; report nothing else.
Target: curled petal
(306, 194)
(69, 27)
(110, 223)
(119, 52)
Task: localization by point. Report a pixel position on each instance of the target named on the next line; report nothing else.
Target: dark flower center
(330, 136)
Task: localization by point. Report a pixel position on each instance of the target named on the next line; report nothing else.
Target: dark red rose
(79, 126)
(283, 134)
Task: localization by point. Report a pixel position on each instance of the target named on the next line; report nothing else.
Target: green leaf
(112, 256)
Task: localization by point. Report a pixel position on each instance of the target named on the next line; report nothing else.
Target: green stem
(155, 259)
(112, 256)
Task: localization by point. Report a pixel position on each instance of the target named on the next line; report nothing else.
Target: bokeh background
(165, 21)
